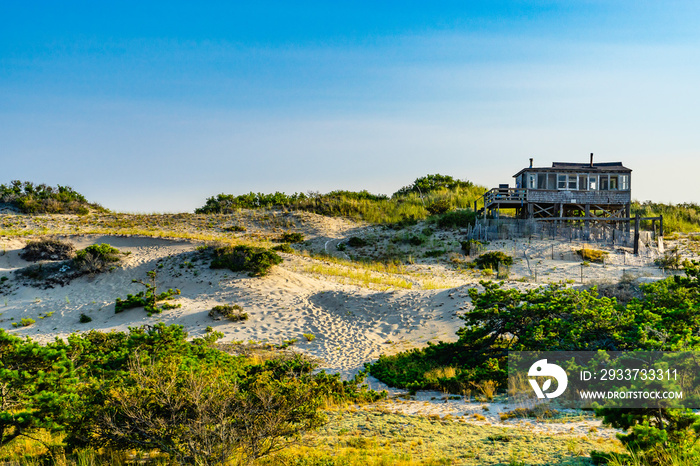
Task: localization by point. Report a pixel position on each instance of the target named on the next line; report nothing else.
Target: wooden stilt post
(636, 234)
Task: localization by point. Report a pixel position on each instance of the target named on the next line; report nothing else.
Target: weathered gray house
(598, 192)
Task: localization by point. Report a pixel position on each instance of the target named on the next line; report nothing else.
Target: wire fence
(546, 240)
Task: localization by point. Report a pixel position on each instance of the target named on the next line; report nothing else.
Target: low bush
(493, 260)
(257, 261)
(155, 391)
(470, 246)
(284, 247)
(357, 242)
(438, 206)
(235, 228)
(96, 258)
(292, 237)
(93, 259)
(232, 312)
(84, 319)
(432, 183)
(670, 260)
(31, 198)
(47, 249)
(149, 298)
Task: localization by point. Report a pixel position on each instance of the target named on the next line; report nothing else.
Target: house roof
(566, 167)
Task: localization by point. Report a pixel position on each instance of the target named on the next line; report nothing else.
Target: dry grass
(592, 255)
(360, 277)
(447, 372)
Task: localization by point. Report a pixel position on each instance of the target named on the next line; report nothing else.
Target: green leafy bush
(33, 198)
(492, 260)
(96, 258)
(431, 183)
(235, 228)
(438, 206)
(292, 237)
(284, 247)
(468, 246)
(559, 319)
(232, 312)
(356, 242)
(149, 298)
(154, 389)
(257, 261)
(84, 318)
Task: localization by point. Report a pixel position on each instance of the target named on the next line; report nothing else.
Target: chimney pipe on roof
(531, 159)
(591, 159)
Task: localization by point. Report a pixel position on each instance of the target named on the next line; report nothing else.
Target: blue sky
(154, 106)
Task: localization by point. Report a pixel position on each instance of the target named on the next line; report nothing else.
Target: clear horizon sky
(155, 106)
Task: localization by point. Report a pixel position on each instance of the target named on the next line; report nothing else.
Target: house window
(624, 182)
(561, 181)
(551, 181)
(613, 182)
(531, 181)
(593, 182)
(603, 182)
(542, 181)
(582, 182)
(573, 182)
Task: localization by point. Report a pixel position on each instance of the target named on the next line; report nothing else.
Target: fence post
(636, 234)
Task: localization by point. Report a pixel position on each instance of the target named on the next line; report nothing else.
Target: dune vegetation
(426, 196)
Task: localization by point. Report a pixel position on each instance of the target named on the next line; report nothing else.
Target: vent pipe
(591, 159)
(531, 159)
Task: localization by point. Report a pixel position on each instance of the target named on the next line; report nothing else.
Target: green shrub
(553, 318)
(257, 261)
(292, 237)
(96, 258)
(26, 321)
(670, 260)
(153, 388)
(84, 319)
(468, 246)
(492, 260)
(33, 198)
(149, 298)
(235, 228)
(232, 312)
(284, 247)
(309, 336)
(357, 242)
(438, 206)
(432, 183)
